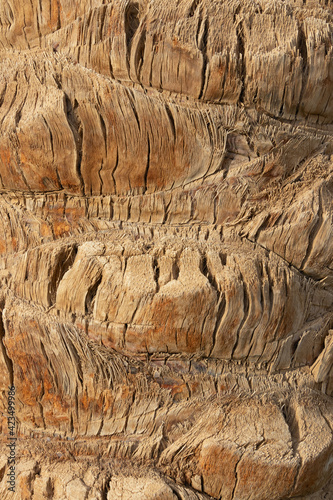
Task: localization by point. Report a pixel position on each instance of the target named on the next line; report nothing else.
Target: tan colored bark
(166, 299)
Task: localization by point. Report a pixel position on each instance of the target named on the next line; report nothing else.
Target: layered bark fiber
(166, 262)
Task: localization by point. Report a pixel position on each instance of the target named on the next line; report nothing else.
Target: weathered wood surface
(166, 262)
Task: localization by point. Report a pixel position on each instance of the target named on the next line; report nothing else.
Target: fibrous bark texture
(166, 259)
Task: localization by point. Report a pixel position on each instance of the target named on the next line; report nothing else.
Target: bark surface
(166, 262)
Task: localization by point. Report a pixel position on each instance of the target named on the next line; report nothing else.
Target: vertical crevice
(236, 479)
(75, 125)
(289, 414)
(282, 102)
(175, 270)
(171, 120)
(208, 274)
(2, 472)
(90, 299)
(175, 491)
(303, 52)
(156, 269)
(8, 361)
(132, 22)
(59, 15)
(223, 258)
(41, 405)
(147, 165)
(39, 13)
(105, 488)
(193, 8)
(113, 171)
(64, 260)
(104, 132)
(166, 210)
(101, 178)
(270, 291)
(215, 208)
(202, 45)
(241, 54)
(139, 53)
(219, 317)
(2, 94)
(76, 402)
(102, 13)
(71, 424)
(49, 489)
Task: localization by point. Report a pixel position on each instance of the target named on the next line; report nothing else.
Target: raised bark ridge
(165, 247)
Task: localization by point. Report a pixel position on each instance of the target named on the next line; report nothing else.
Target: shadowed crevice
(8, 361)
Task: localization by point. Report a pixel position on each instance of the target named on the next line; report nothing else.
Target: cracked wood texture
(166, 262)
